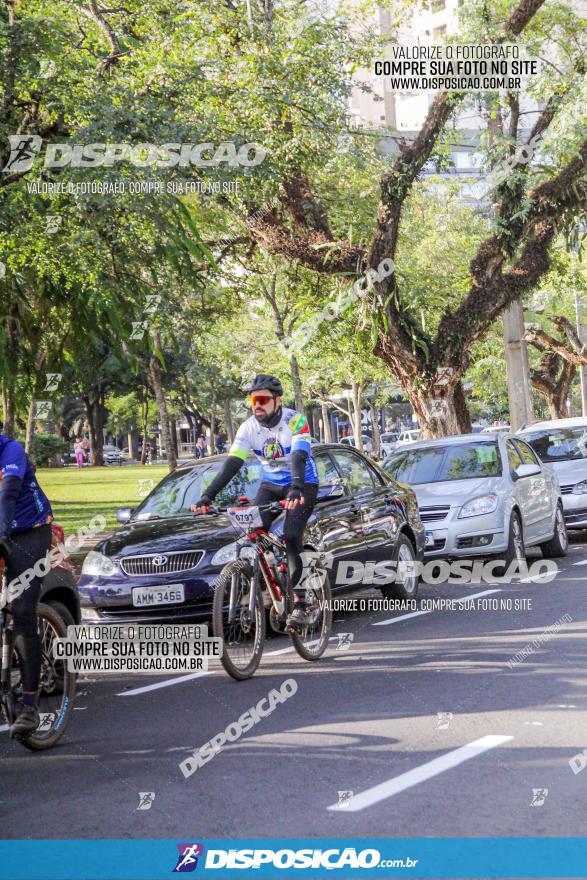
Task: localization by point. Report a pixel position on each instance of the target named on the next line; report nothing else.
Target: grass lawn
(78, 494)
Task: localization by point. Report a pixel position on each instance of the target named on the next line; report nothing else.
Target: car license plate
(245, 518)
(144, 597)
(429, 536)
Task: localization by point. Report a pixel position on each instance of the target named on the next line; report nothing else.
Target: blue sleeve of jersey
(13, 460)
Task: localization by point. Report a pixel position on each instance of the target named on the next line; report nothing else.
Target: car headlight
(97, 564)
(479, 506)
(228, 554)
(580, 488)
(224, 555)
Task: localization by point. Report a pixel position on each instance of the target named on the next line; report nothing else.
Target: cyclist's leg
(267, 493)
(293, 533)
(25, 549)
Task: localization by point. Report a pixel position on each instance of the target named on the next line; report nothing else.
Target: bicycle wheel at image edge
(242, 639)
(311, 644)
(57, 687)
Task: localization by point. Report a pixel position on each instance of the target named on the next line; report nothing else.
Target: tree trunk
(173, 427)
(8, 408)
(98, 445)
(327, 433)
(375, 429)
(440, 415)
(132, 440)
(357, 428)
(228, 421)
(37, 383)
(157, 385)
(90, 405)
(30, 426)
(297, 383)
(213, 422)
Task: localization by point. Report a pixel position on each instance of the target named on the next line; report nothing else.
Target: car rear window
(438, 463)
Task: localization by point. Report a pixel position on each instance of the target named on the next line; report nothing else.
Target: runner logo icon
(187, 860)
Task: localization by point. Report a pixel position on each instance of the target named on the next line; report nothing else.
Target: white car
(497, 429)
(350, 441)
(111, 454)
(409, 436)
(562, 445)
(388, 442)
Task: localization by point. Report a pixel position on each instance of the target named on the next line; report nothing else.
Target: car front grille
(566, 490)
(161, 563)
(438, 545)
(433, 514)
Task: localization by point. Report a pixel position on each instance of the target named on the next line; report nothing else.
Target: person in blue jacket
(25, 538)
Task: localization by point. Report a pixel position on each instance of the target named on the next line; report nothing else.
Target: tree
(531, 205)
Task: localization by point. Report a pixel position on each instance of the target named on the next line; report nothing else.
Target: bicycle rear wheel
(242, 637)
(312, 643)
(57, 685)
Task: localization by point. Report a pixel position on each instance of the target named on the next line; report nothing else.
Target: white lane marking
(420, 774)
(162, 684)
(581, 562)
(3, 728)
(419, 613)
(79, 708)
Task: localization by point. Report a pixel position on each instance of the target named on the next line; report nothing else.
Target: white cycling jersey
(273, 446)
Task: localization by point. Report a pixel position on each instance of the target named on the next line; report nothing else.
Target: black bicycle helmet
(266, 381)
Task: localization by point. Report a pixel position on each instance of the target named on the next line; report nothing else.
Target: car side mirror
(123, 514)
(526, 470)
(330, 491)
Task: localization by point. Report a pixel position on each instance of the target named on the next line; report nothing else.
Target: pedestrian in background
(78, 448)
(201, 447)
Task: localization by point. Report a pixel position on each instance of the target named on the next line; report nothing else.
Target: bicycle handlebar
(273, 506)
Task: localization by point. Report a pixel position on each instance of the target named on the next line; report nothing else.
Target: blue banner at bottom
(304, 858)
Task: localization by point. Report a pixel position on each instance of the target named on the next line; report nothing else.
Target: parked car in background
(409, 436)
(111, 455)
(164, 562)
(481, 495)
(350, 441)
(497, 429)
(388, 442)
(561, 444)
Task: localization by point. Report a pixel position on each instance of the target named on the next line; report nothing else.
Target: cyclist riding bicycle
(280, 438)
(25, 537)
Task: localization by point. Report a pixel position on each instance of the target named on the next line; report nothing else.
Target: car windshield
(434, 464)
(176, 494)
(558, 444)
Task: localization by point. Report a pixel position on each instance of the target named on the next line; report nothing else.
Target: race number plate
(144, 597)
(245, 518)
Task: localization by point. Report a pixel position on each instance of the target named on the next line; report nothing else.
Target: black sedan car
(163, 564)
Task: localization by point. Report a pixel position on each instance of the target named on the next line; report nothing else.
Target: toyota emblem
(159, 560)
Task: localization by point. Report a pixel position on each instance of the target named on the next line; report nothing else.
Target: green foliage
(45, 447)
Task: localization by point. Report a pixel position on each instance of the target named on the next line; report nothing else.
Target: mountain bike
(260, 574)
(57, 684)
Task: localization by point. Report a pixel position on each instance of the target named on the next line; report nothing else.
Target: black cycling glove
(294, 495)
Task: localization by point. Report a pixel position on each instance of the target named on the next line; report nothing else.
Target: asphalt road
(364, 720)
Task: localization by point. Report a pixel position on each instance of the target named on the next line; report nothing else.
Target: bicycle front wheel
(242, 633)
(57, 685)
(312, 643)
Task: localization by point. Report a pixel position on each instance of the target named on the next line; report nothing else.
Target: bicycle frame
(259, 537)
